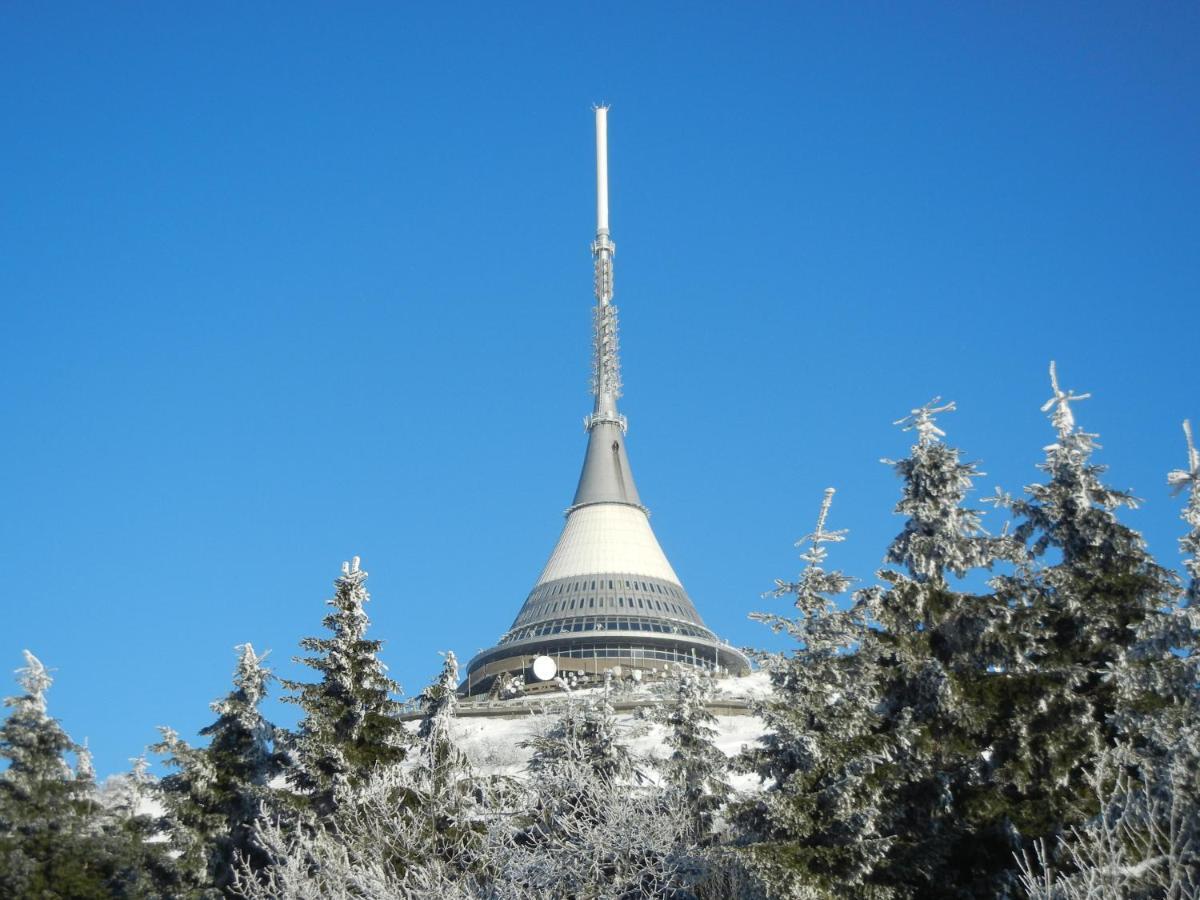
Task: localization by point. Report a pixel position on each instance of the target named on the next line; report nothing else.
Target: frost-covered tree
(217, 792)
(350, 722)
(579, 827)
(1087, 611)
(592, 834)
(1188, 480)
(696, 771)
(586, 732)
(39, 820)
(940, 534)
(1158, 676)
(936, 647)
(397, 834)
(878, 749)
(1144, 843)
(38, 781)
(56, 839)
(629, 844)
(438, 754)
(815, 827)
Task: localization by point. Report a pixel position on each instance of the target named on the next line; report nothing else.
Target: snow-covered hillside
(492, 742)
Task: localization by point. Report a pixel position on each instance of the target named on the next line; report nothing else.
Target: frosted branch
(922, 420)
(815, 555)
(1061, 417)
(1189, 478)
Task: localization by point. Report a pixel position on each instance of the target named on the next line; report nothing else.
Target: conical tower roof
(608, 596)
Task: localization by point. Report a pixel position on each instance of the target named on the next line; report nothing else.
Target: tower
(607, 597)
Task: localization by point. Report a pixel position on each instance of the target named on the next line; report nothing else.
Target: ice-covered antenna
(921, 420)
(815, 555)
(1062, 417)
(606, 364)
(1189, 478)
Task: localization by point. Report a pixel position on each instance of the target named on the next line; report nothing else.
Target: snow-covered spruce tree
(350, 724)
(936, 649)
(439, 757)
(217, 792)
(382, 842)
(585, 732)
(1148, 829)
(38, 782)
(39, 820)
(877, 764)
(624, 843)
(1143, 844)
(56, 840)
(1157, 717)
(442, 790)
(814, 829)
(1189, 480)
(593, 835)
(696, 771)
(1084, 610)
(412, 830)
(587, 824)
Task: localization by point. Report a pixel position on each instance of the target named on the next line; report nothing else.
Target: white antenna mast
(606, 365)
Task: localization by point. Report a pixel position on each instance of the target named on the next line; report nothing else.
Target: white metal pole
(602, 170)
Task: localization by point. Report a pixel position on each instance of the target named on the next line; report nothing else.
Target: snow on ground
(492, 742)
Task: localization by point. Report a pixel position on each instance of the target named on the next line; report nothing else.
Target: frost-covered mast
(606, 363)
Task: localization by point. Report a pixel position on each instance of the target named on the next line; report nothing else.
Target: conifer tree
(585, 733)
(695, 772)
(1158, 677)
(575, 764)
(937, 648)
(876, 757)
(350, 724)
(1189, 480)
(56, 840)
(38, 779)
(218, 792)
(815, 826)
(440, 758)
(1089, 597)
(39, 824)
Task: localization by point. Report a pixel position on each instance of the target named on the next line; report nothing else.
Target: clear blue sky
(284, 283)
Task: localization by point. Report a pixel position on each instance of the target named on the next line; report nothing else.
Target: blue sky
(284, 283)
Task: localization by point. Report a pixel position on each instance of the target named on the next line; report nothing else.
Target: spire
(607, 598)
(606, 366)
(606, 477)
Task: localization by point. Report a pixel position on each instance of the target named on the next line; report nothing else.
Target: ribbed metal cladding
(624, 595)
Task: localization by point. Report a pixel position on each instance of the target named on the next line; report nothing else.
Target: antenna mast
(606, 366)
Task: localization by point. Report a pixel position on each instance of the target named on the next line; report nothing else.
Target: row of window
(631, 652)
(606, 623)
